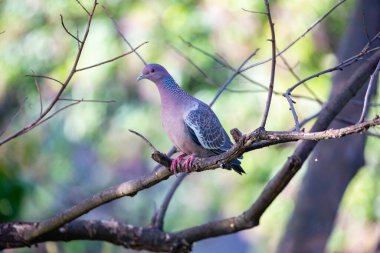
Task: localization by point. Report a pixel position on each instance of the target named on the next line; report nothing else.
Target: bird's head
(153, 72)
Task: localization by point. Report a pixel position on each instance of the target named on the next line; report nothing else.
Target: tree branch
(368, 93)
(299, 37)
(43, 117)
(113, 59)
(273, 67)
(122, 35)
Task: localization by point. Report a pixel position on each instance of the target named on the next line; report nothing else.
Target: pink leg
(173, 166)
(188, 163)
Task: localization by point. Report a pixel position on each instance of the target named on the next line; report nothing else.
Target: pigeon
(191, 125)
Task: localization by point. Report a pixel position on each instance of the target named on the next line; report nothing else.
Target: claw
(188, 163)
(176, 161)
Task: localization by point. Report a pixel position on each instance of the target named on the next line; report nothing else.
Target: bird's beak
(140, 77)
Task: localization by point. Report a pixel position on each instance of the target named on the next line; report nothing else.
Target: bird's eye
(152, 71)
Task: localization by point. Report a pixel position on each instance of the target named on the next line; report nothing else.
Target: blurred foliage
(88, 147)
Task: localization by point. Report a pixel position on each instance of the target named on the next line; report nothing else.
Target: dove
(190, 124)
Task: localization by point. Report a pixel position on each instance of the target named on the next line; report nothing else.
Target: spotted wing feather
(206, 130)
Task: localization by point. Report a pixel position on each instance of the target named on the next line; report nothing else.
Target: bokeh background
(88, 147)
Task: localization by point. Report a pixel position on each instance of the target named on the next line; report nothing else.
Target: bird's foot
(176, 161)
(188, 163)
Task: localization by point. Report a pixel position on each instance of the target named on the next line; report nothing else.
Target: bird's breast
(173, 123)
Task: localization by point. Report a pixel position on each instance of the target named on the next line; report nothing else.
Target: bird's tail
(235, 165)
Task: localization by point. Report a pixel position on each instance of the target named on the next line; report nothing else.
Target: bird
(191, 125)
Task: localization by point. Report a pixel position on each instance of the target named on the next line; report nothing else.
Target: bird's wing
(206, 130)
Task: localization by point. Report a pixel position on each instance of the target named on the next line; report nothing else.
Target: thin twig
(224, 86)
(367, 97)
(369, 43)
(299, 37)
(58, 111)
(307, 120)
(81, 5)
(46, 77)
(78, 43)
(291, 70)
(68, 32)
(87, 100)
(145, 139)
(225, 64)
(255, 12)
(340, 66)
(13, 117)
(158, 219)
(273, 67)
(372, 134)
(188, 59)
(111, 60)
(293, 110)
(122, 35)
(208, 79)
(222, 62)
(44, 116)
(39, 94)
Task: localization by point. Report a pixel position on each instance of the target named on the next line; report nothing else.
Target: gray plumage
(191, 124)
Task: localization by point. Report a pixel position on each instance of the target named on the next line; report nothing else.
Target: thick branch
(111, 231)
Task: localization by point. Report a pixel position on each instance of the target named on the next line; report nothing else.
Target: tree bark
(334, 163)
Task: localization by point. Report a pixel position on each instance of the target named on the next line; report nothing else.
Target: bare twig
(308, 119)
(255, 12)
(208, 79)
(367, 97)
(273, 67)
(290, 68)
(294, 113)
(62, 89)
(46, 77)
(340, 66)
(44, 116)
(122, 35)
(222, 62)
(111, 60)
(372, 134)
(369, 43)
(299, 37)
(225, 64)
(78, 43)
(39, 94)
(87, 100)
(145, 139)
(224, 86)
(13, 117)
(68, 32)
(81, 5)
(158, 218)
(58, 111)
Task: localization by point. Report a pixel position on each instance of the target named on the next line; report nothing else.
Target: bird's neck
(170, 91)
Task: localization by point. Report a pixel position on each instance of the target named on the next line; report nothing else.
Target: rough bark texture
(333, 163)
